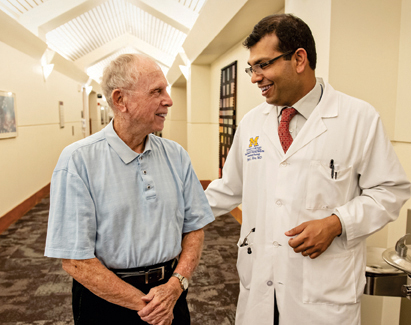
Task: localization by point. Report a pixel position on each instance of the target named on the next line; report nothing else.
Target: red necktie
(283, 129)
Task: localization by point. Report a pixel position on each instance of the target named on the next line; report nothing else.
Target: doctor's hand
(160, 303)
(312, 238)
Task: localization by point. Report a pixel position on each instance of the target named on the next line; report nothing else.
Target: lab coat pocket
(329, 279)
(245, 264)
(325, 192)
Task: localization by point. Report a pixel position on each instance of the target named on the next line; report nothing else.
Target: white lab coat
(280, 191)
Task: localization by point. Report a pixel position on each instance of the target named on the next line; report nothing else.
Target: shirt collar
(126, 154)
(306, 105)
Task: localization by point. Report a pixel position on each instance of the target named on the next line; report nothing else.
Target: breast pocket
(324, 191)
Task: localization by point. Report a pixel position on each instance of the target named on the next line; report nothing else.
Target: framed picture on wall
(227, 114)
(8, 123)
(61, 114)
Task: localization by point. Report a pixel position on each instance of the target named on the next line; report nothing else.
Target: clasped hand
(312, 238)
(160, 304)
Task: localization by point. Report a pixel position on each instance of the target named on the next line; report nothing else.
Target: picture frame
(61, 114)
(8, 116)
(227, 112)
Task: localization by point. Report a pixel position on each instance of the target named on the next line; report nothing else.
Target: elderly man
(316, 175)
(127, 210)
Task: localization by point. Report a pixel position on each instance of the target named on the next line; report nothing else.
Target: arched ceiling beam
(121, 42)
(61, 17)
(7, 8)
(171, 12)
(48, 10)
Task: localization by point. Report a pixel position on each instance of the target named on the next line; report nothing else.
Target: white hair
(122, 73)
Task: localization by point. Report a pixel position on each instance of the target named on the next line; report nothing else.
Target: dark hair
(292, 34)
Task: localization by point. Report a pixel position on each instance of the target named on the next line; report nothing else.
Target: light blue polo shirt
(127, 209)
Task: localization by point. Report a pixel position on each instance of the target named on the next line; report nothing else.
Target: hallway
(35, 290)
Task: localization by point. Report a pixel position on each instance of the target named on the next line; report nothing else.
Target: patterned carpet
(35, 290)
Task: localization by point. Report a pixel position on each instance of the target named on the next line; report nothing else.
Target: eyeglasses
(258, 68)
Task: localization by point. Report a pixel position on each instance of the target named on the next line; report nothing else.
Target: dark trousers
(276, 313)
(89, 309)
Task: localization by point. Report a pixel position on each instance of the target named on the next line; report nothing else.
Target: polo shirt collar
(126, 154)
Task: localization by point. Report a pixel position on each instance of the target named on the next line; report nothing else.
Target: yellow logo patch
(253, 142)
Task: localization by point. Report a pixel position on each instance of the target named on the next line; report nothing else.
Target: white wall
(317, 15)
(364, 53)
(28, 160)
(199, 127)
(175, 127)
(403, 111)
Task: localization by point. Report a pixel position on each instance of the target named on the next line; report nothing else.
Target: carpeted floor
(35, 290)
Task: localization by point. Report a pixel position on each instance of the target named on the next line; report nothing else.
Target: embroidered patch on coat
(254, 150)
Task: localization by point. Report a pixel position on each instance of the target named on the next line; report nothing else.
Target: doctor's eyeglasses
(259, 67)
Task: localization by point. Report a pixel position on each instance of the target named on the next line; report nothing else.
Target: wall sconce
(185, 70)
(46, 65)
(87, 86)
(47, 70)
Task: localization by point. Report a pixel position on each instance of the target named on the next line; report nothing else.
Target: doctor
(316, 175)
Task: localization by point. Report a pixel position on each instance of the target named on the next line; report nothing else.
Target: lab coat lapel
(315, 126)
(270, 127)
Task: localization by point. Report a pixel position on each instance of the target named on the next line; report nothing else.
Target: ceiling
(91, 33)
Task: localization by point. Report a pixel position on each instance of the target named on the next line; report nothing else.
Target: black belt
(147, 274)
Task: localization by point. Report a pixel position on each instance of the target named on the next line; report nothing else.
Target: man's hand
(160, 303)
(162, 299)
(314, 237)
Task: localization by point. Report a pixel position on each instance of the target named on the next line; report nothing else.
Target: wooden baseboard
(24, 207)
(236, 212)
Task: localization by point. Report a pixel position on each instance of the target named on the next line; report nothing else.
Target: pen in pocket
(333, 168)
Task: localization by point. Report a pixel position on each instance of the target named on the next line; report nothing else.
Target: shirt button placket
(144, 172)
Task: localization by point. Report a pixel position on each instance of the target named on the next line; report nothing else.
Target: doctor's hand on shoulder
(312, 238)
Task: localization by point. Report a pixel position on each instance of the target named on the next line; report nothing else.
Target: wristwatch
(183, 281)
